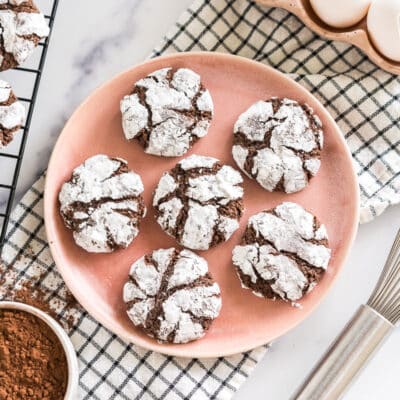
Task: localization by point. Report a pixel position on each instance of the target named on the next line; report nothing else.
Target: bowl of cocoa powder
(37, 359)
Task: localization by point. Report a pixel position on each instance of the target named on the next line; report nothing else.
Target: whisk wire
(385, 298)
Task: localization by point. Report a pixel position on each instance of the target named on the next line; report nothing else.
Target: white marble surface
(92, 41)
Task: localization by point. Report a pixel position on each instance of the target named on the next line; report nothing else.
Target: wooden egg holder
(356, 35)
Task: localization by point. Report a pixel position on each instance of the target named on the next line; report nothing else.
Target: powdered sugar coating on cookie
(102, 204)
(12, 114)
(14, 2)
(168, 111)
(284, 252)
(171, 296)
(22, 27)
(199, 202)
(278, 143)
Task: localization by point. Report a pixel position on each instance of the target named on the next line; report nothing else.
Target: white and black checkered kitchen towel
(364, 100)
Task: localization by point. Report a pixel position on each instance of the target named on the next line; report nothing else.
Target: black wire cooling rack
(36, 73)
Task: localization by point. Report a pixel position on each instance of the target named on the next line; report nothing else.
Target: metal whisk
(368, 328)
(385, 299)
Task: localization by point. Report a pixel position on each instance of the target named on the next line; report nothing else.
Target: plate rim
(180, 351)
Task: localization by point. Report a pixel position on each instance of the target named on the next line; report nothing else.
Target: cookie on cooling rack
(171, 296)
(12, 114)
(22, 28)
(199, 202)
(278, 143)
(167, 112)
(283, 254)
(102, 204)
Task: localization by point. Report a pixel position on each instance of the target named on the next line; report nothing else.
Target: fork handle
(346, 356)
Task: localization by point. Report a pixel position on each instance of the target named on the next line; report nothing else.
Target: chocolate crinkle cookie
(22, 26)
(199, 202)
(284, 253)
(12, 114)
(167, 112)
(278, 143)
(171, 296)
(102, 204)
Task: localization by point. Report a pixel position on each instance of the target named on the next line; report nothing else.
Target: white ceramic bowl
(72, 361)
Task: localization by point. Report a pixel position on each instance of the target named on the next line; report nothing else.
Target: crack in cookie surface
(22, 28)
(284, 253)
(167, 112)
(102, 204)
(199, 202)
(278, 143)
(171, 295)
(12, 114)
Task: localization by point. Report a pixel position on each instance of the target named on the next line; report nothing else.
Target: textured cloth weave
(363, 99)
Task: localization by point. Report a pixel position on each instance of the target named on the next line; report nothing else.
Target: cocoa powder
(33, 365)
(14, 286)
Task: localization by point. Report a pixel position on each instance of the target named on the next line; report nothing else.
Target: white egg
(383, 25)
(341, 13)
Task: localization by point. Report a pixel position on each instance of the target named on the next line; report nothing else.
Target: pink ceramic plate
(246, 321)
